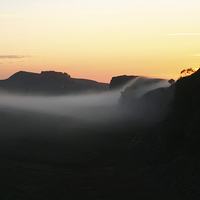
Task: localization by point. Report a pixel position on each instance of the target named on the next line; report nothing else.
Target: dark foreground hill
(49, 83)
(51, 157)
(176, 143)
(186, 111)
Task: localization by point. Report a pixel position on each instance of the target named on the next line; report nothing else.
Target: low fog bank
(138, 99)
(137, 87)
(147, 99)
(154, 105)
(93, 107)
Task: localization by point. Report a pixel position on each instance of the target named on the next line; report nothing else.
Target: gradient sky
(98, 39)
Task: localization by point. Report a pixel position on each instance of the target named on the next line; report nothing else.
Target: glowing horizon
(100, 39)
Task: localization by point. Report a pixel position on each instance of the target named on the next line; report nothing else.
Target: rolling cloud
(13, 56)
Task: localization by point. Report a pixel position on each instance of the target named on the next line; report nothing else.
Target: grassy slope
(52, 157)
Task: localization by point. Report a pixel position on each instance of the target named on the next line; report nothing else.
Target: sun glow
(100, 39)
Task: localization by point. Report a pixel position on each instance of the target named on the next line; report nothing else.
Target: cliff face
(49, 83)
(183, 122)
(188, 93)
(118, 82)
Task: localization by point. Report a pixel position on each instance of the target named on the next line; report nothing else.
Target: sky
(99, 39)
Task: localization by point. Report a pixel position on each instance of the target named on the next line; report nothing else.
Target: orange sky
(100, 39)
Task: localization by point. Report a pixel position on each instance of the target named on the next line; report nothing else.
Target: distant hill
(49, 83)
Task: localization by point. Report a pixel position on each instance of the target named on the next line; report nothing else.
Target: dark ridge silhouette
(49, 83)
(176, 141)
(186, 103)
(182, 123)
(53, 74)
(118, 82)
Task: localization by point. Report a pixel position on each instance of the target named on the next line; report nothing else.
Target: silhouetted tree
(187, 72)
(171, 81)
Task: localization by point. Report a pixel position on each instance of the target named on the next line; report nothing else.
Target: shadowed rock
(118, 82)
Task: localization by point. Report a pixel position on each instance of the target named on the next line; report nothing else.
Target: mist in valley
(72, 130)
(99, 107)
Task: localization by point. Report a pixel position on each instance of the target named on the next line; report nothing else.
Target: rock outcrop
(118, 82)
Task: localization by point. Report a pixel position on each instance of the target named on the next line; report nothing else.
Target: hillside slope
(174, 148)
